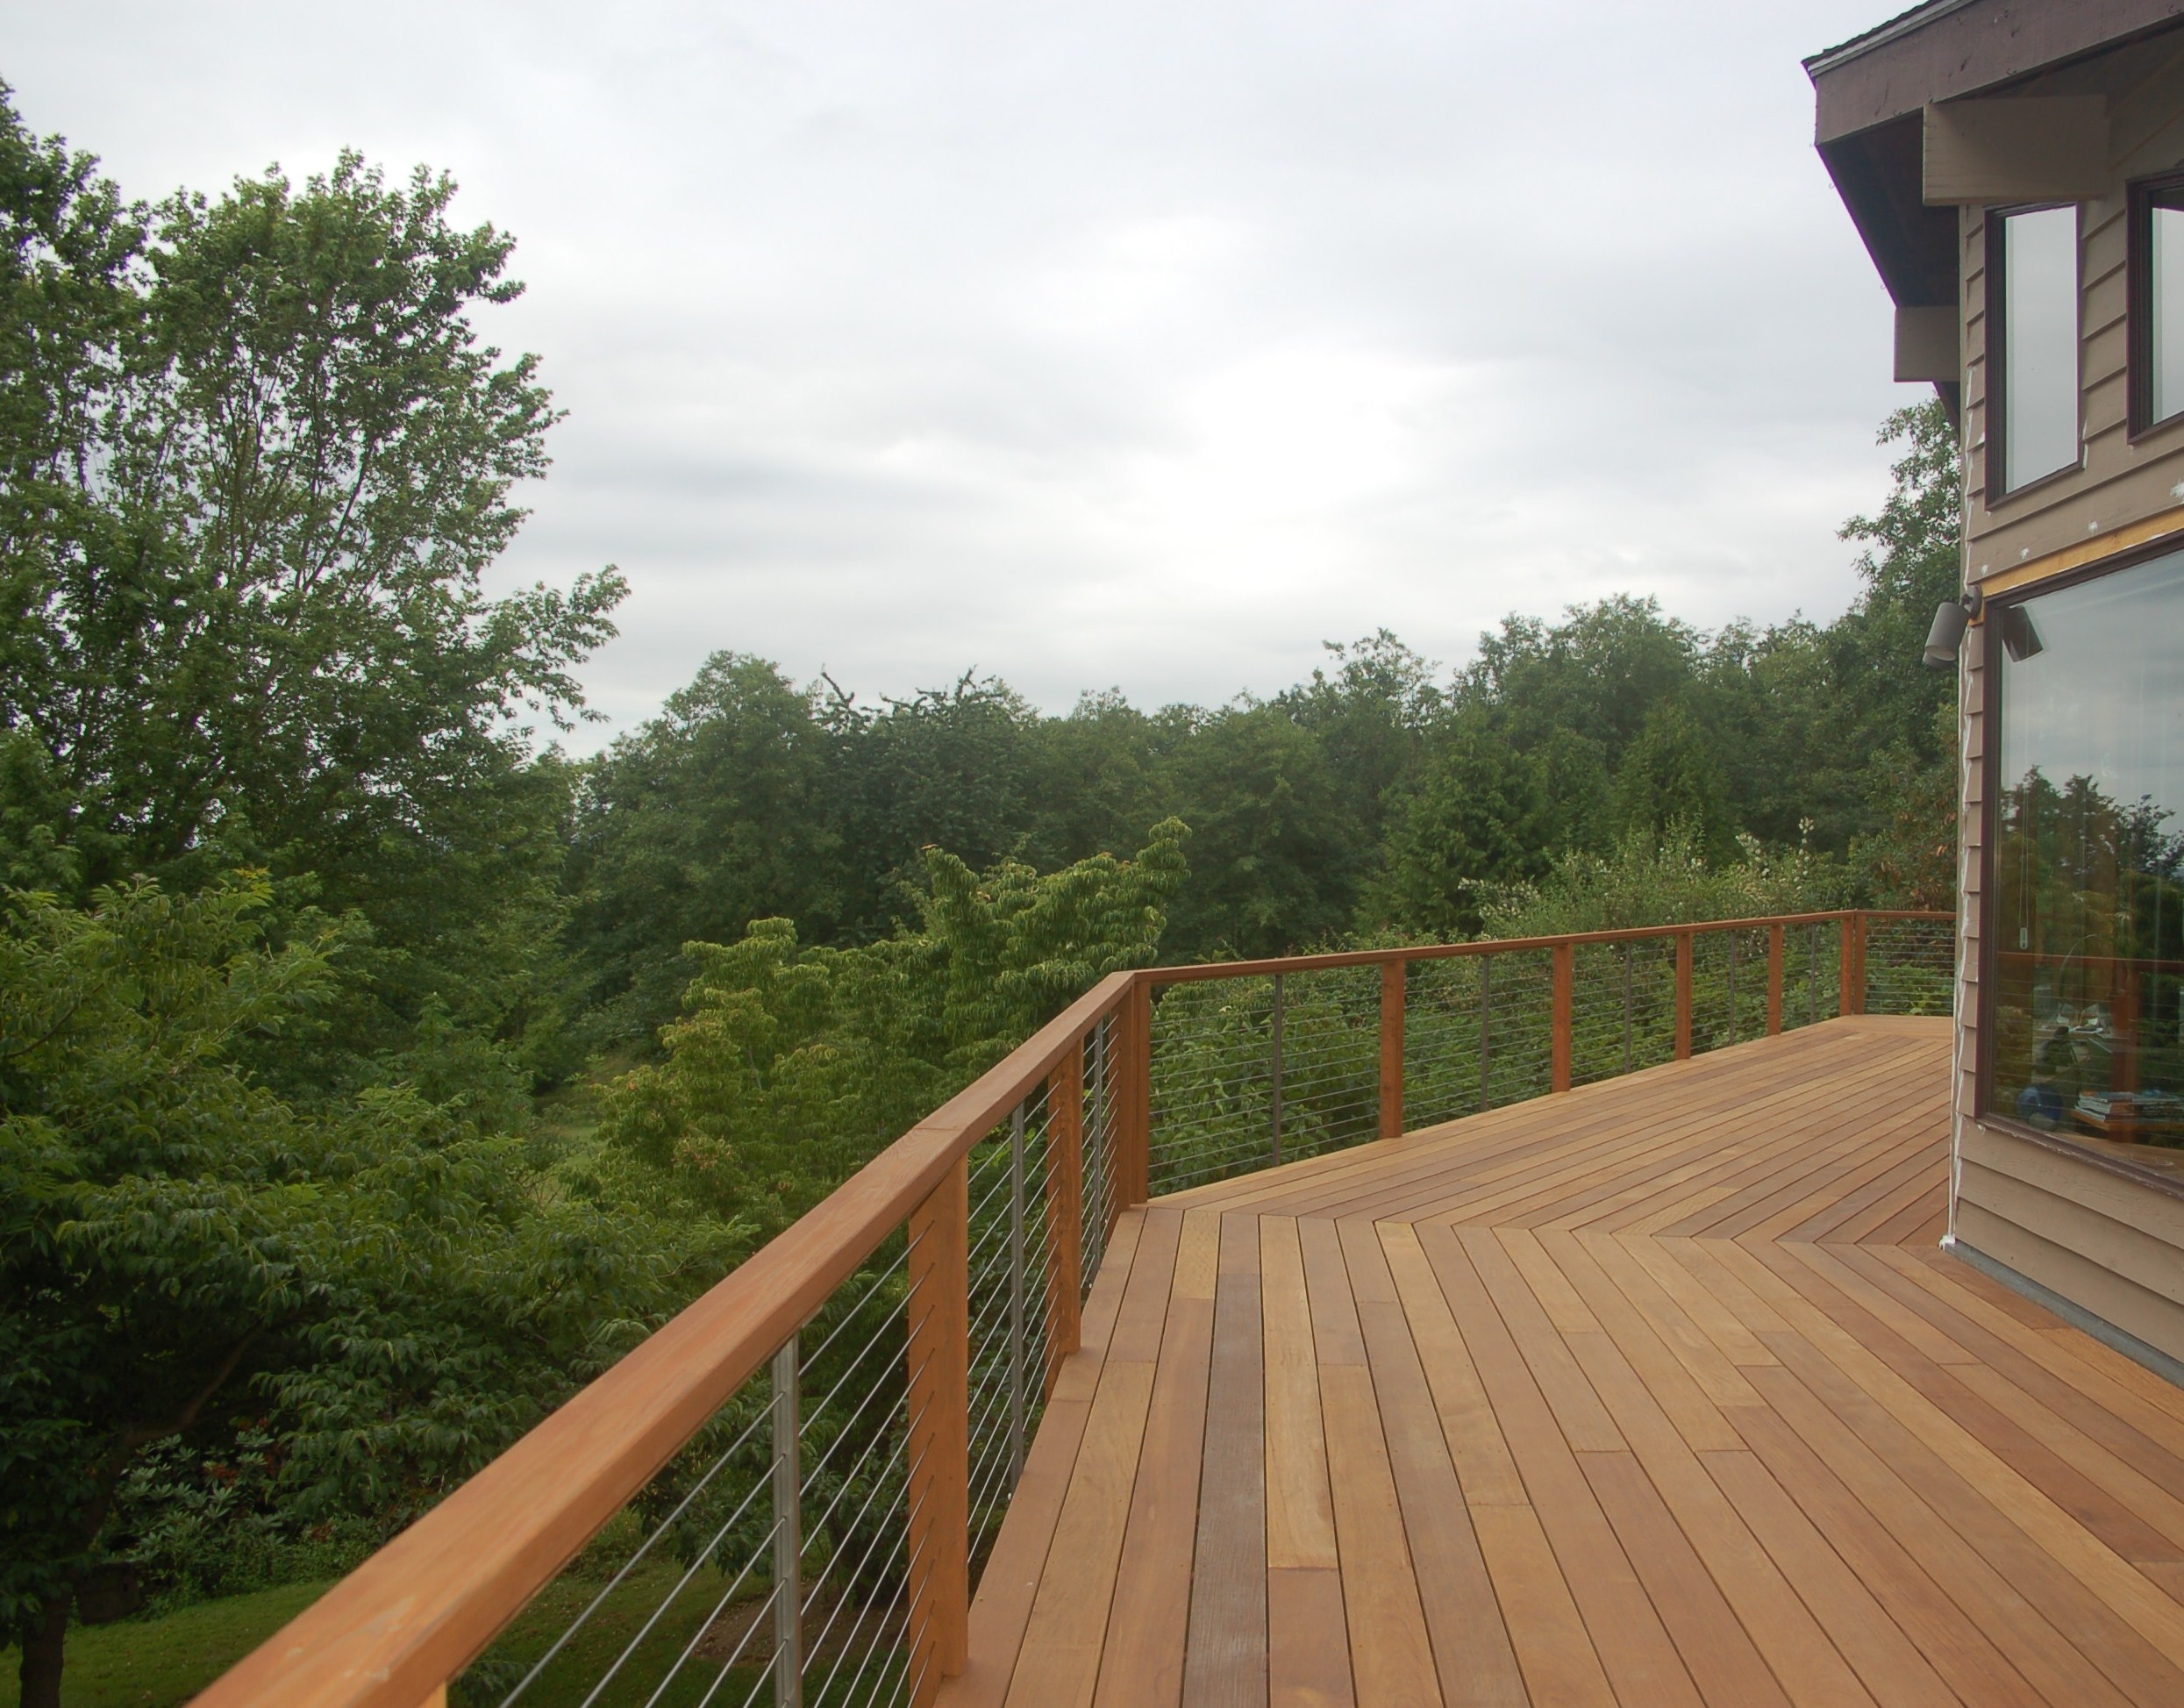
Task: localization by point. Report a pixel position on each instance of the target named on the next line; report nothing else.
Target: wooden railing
(1151, 1079)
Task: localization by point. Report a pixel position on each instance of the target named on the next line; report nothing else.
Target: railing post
(1732, 987)
(1812, 975)
(1486, 1027)
(1274, 1066)
(939, 1497)
(1685, 941)
(1629, 955)
(1019, 1352)
(1104, 1118)
(1773, 980)
(1065, 1208)
(1850, 997)
(1564, 994)
(1858, 982)
(787, 1532)
(1133, 1158)
(1391, 980)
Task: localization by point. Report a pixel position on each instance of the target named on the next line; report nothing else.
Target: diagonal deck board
(1656, 1392)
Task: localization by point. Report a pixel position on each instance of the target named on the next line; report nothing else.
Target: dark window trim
(2138, 301)
(1983, 1113)
(1997, 377)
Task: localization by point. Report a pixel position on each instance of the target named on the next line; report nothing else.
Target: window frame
(1996, 392)
(2142, 195)
(1989, 907)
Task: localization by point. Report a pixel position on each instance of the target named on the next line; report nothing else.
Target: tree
(947, 767)
(1601, 671)
(715, 813)
(1372, 715)
(1475, 822)
(793, 1064)
(1669, 775)
(1274, 854)
(249, 501)
(395, 1285)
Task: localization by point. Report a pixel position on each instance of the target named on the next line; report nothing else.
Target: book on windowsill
(2130, 1107)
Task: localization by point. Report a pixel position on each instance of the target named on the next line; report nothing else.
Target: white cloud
(1135, 345)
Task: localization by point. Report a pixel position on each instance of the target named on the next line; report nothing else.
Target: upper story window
(2157, 302)
(2032, 346)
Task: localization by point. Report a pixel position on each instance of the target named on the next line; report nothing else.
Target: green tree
(715, 813)
(1274, 853)
(1373, 714)
(1476, 821)
(1097, 773)
(243, 554)
(1670, 775)
(948, 768)
(793, 1064)
(1669, 879)
(395, 1286)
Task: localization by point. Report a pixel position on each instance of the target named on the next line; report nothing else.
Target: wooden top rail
(419, 1610)
(1313, 963)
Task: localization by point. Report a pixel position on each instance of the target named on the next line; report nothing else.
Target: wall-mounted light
(1951, 620)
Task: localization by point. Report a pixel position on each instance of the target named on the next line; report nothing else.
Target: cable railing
(789, 1494)
(1258, 1063)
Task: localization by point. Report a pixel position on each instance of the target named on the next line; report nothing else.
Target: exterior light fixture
(1947, 634)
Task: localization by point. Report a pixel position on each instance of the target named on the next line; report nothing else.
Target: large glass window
(2033, 379)
(2087, 909)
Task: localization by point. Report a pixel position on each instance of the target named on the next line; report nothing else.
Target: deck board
(1655, 1392)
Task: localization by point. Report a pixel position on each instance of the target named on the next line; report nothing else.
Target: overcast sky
(1119, 345)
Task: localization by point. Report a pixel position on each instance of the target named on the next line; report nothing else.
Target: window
(2031, 346)
(2086, 910)
(2157, 303)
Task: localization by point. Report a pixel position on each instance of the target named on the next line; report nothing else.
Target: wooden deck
(1658, 1391)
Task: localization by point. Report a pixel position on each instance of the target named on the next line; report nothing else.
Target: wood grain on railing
(1685, 953)
(1201, 971)
(1565, 1003)
(939, 1494)
(411, 1618)
(418, 1611)
(1774, 946)
(1065, 1210)
(1133, 1139)
(1393, 978)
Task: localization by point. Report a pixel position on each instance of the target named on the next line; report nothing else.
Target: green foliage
(1669, 775)
(404, 1293)
(1475, 819)
(255, 464)
(713, 815)
(1275, 855)
(793, 1064)
(1645, 880)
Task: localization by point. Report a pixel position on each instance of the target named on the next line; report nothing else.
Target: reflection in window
(2039, 344)
(2164, 304)
(2088, 906)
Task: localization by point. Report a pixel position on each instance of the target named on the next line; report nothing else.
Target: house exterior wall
(2100, 1227)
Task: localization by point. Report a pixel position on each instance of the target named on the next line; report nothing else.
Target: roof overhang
(1873, 94)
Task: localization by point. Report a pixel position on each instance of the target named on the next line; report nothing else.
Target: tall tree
(243, 553)
(404, 1293)
(715, 813)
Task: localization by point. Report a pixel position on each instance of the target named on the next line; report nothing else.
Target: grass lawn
(162, 1663)
(157, 1663)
